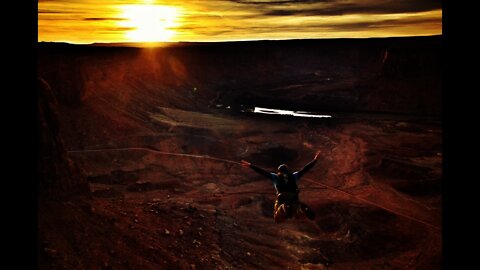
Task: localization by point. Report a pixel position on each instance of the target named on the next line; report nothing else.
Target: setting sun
(149, 23)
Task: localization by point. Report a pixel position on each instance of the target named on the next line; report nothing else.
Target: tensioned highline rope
(149, 149)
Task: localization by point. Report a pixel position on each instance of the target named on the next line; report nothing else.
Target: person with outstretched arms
(287, 204)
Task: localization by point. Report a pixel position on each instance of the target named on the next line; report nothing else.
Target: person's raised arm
(257, 169)
(307, 167)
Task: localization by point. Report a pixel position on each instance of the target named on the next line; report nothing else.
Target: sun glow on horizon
(150, 23)
(156, 21)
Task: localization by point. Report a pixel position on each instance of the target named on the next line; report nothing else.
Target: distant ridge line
(265, 41)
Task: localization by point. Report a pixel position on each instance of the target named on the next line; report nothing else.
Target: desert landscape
(139, 152)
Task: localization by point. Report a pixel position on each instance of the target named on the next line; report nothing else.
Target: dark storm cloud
(103, 19)
(382, 24)
(341, 7)
(50, 11)
(62, 18)
(267, 2)
(58, 1)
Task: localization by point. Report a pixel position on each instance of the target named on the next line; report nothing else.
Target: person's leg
(275, 207)
(306, 211)
(280, 214)
(300, 214)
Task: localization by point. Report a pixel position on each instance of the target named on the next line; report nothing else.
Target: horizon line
(153, 43)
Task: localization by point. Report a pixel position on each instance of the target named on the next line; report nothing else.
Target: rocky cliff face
(58, 175)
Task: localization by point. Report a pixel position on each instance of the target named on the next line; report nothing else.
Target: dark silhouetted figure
(287, 204)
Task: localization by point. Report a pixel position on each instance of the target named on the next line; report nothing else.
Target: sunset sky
(89, 21)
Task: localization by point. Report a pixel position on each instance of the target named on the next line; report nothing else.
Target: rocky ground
(152, 210)
(165, 193)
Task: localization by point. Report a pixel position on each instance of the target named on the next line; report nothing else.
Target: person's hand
(246, 163)
(317, 154)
